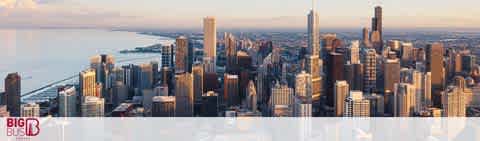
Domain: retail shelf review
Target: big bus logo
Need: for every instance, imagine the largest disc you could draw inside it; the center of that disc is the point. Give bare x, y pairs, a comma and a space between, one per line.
23, 127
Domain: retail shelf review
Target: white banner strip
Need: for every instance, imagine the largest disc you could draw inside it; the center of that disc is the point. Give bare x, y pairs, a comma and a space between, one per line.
241, 129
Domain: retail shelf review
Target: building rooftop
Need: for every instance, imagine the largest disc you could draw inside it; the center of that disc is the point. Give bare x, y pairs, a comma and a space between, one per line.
163, 99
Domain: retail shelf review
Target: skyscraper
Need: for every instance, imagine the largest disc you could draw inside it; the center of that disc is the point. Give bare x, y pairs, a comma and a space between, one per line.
281, 95
182, 54
377, 29
12, 92
184, 95
103, 65
145, 79
92, 107
391, 74
404, 100
210, 38
231, 90
341, 92
365, 38
356, 105
370, 70
87, 83
251, 100
313, 33
427, 89
210, 104
354, 76
435, 65
230, 52
163, 106
198, 82
354, 52
453, 102
67, 102
407, 53
313, 68
167, 56
303, 85
302, 107
30, 110
335, 72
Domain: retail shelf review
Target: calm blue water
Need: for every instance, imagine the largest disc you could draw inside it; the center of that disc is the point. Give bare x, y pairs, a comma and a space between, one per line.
42, 56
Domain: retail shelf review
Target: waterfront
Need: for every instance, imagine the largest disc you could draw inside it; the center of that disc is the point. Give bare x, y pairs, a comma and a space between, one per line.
43, 56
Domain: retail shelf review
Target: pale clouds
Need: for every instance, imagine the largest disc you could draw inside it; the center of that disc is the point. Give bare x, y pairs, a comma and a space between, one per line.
17, 4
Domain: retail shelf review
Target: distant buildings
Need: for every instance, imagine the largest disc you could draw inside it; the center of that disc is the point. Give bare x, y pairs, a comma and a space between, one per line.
12, 93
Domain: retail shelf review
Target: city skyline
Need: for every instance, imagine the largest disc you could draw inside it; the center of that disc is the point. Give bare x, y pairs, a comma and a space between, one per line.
294, 75
266, 14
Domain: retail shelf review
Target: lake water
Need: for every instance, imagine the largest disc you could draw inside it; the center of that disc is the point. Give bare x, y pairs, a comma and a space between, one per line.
43, 56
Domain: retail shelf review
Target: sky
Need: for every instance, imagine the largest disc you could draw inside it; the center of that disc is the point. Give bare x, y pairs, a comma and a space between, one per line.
231, 14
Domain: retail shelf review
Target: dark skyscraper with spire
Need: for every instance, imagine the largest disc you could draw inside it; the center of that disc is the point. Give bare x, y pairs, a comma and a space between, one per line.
377, 33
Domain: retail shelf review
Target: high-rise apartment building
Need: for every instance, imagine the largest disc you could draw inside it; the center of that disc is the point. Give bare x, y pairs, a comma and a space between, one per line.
12, 93
30, 110
303, 85
356, 105
404, 100
67, 102
167, 56
88, 83
341, 91
453, 102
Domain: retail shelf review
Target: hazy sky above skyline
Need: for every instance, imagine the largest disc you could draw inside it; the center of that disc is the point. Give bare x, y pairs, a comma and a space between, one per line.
188, 14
